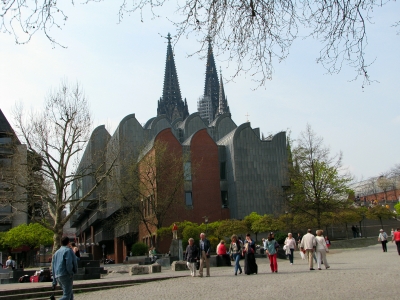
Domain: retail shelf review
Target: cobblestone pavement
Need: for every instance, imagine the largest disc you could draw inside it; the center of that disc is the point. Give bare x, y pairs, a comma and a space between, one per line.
365, 273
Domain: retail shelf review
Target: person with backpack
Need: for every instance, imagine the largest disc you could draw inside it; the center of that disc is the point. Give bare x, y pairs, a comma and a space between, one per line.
235, 253
10, 263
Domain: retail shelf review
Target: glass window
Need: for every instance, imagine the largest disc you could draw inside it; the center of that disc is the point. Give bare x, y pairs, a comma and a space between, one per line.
224, 199
188, 199
188, 170
222, 170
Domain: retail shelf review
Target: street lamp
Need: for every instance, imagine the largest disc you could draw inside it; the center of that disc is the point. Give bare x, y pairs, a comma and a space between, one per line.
104, 247
286, 214
206, 221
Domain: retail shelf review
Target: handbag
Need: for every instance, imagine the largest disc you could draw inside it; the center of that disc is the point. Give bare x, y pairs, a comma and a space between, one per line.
284, 247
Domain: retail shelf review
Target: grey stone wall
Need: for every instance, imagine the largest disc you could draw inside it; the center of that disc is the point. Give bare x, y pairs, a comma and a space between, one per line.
256, 171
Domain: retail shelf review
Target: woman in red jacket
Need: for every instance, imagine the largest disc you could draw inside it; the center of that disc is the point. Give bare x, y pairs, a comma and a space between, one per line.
396, 238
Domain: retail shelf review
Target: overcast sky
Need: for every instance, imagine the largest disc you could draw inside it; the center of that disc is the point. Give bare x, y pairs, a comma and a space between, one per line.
121, 69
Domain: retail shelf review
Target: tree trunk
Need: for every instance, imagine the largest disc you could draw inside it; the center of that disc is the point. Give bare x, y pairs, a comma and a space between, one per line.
57, 240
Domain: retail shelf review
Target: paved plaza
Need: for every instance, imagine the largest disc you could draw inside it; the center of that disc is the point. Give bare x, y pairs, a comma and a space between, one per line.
364, 273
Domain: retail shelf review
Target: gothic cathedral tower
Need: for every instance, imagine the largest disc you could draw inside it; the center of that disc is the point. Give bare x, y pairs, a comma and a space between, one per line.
171, 103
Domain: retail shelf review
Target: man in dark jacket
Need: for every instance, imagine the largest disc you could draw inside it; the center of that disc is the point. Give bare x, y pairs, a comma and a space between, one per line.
204, 255
191, 255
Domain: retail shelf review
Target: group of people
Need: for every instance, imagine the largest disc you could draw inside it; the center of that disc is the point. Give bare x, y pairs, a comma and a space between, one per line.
237, 249
383, 238
309, 244
201, 254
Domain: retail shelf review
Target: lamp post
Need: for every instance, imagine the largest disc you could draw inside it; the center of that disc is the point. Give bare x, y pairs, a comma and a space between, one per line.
104, 247
287, 221
206, 221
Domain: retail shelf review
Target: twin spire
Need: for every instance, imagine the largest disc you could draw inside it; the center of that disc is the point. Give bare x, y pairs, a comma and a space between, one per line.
212, 104
171, 103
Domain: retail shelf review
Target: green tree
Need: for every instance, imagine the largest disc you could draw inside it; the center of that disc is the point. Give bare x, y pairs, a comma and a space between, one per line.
346, 217
319, 183
397, 208
267, 223
229, 227
380, 213
250, 220
32, 235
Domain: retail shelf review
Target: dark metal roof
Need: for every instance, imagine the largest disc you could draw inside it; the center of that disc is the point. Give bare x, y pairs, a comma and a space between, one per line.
6, 129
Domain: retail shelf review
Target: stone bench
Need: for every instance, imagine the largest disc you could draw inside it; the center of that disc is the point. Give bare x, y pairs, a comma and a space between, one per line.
179, 265
144, 269
141, 260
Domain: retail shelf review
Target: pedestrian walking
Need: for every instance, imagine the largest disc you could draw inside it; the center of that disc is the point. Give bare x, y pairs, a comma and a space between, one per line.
272, 252
64, 266
396, 238
308, 244
250, 266
382, 237
290, 246
204, 254
321, 250
235, 249
191, 254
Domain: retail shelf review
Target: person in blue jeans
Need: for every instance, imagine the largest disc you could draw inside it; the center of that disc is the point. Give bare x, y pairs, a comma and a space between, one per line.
235, 252
64, 266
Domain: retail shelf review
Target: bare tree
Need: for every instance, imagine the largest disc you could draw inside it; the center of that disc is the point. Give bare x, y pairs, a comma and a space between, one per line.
56, 138
395, 180
254, 34
372, 187
384, 184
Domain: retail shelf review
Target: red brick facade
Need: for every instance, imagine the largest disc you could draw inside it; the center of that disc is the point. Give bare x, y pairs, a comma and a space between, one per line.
206, 194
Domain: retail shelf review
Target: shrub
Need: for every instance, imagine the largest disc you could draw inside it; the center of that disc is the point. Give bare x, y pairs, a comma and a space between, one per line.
190, 232
139, 249
280, 237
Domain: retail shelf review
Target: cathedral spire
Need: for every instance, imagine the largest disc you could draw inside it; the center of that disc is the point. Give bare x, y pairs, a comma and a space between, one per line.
222, 102
211, 86
171, 103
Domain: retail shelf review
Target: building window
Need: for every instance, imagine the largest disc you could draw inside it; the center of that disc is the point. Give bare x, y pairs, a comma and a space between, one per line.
222, 170
188, 170
188, 199
224, 199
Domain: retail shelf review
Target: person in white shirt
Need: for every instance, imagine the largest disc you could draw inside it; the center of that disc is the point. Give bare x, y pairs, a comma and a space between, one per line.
322, 249
308, 244
290, 244
383, 239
